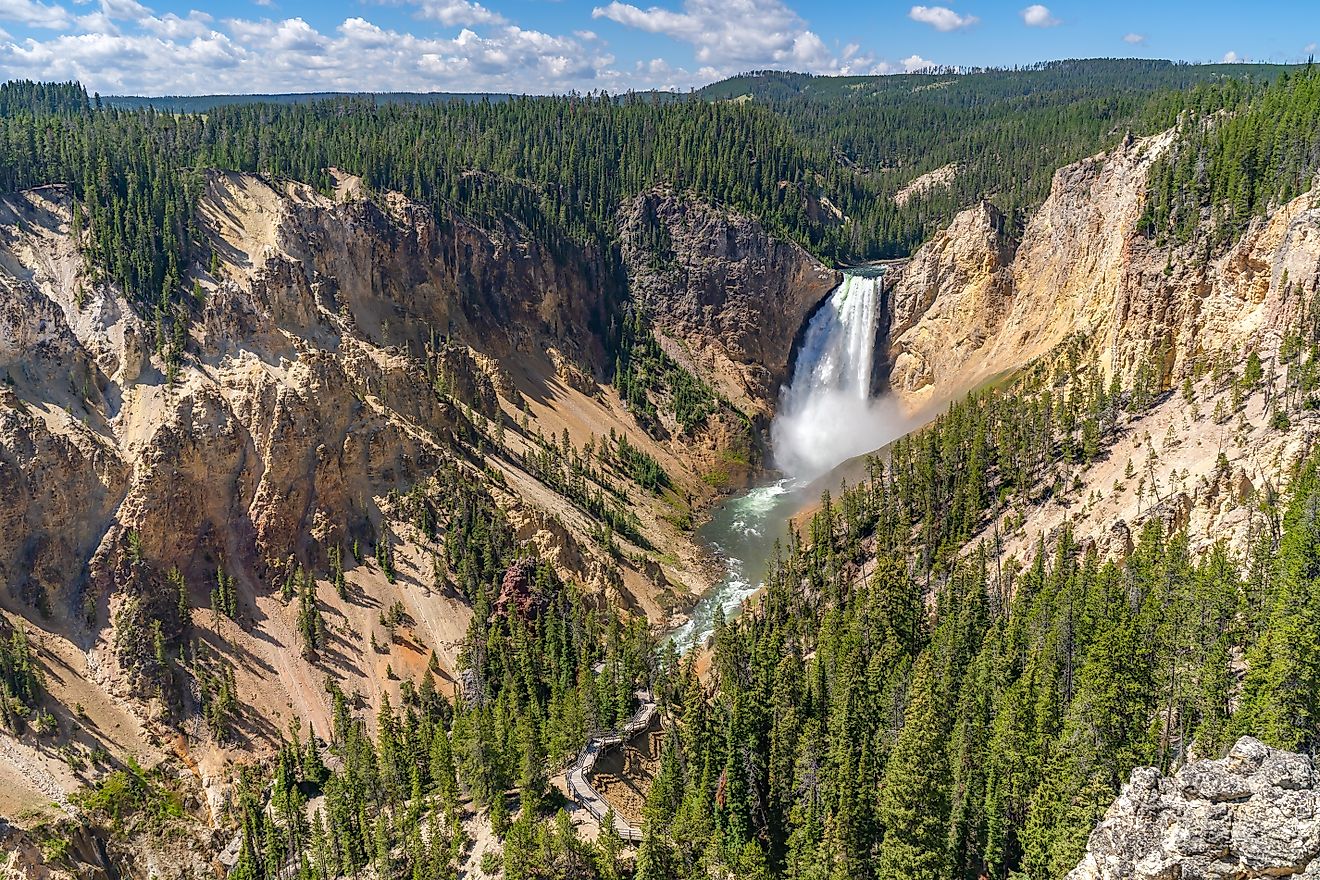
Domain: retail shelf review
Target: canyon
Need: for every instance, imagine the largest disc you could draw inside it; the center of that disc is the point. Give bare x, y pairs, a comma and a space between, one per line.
356, 356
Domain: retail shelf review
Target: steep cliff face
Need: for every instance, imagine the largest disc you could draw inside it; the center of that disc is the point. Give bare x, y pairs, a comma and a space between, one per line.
386, 271
948, 303
724, 296
966, 309
1086, 289
1070, 273
1255, 813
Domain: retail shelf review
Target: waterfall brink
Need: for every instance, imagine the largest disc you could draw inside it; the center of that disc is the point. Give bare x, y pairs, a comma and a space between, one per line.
826, 413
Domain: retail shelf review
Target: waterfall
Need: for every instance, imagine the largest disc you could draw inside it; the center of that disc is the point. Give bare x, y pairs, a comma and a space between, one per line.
827, 413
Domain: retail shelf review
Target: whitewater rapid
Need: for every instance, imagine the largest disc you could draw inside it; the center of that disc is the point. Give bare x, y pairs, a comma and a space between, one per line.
827, 414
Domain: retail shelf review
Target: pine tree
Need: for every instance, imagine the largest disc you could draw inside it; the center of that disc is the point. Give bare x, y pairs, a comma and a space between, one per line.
311, 625
913, 808
184, 606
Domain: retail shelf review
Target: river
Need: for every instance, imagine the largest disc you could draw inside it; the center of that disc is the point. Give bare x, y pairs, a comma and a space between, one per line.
742, 532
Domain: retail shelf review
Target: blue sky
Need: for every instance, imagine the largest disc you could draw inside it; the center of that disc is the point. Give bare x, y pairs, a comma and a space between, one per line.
541, 46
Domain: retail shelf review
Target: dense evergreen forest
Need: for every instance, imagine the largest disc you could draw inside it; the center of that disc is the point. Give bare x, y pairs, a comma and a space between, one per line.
902, 704
1003, 131
1226, 171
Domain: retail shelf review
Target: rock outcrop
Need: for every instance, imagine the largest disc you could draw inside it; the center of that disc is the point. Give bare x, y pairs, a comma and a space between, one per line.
725, 296
1252, 814
949, 302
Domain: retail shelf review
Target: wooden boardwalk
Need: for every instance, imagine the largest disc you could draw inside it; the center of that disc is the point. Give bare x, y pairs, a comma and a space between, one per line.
581, 790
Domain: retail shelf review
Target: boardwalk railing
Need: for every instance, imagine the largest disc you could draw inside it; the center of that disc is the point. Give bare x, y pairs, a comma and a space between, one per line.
581, 790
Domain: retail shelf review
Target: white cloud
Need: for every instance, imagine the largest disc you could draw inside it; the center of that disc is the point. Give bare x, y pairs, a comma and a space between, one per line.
1310, 47
452, 13
941, 18
292, 36
171, 26
1231, 57
94, 23
124, 10
1134, 39
910, 64
34, 14
171, 54
1039, 16
737, 35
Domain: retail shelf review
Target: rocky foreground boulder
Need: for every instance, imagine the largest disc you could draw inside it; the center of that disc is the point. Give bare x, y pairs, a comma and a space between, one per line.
1254, 813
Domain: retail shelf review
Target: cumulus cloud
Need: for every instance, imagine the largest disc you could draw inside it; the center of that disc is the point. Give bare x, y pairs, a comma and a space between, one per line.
193, 54
1039, 16
942, 18
1135, 39
452, 13
124, 10
34, 14
292, 36
910, 64
174, 27
737, 35
94, 23
1231, 57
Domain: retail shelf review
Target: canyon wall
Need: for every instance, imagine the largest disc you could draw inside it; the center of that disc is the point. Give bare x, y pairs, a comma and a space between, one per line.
350, 355
726, 297
970, 306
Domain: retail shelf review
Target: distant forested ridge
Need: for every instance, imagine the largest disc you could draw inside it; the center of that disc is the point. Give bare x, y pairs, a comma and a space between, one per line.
815, 159
1004, 131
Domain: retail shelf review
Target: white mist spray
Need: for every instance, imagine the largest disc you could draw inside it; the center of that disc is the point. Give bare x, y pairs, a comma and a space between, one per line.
826, 413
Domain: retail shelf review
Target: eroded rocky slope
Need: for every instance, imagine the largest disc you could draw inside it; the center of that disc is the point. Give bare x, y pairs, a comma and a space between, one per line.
1085, 291
728, 299
352, 362
970, 306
